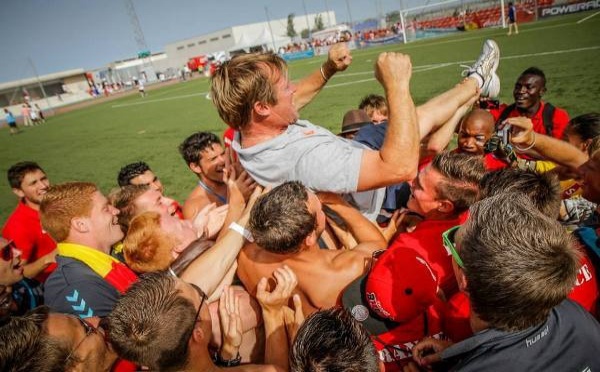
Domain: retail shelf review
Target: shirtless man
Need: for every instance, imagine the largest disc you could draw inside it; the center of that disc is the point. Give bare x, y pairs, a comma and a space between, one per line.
204, 155
286, 224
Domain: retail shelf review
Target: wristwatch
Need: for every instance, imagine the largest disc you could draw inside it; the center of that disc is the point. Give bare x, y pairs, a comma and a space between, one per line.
229, 362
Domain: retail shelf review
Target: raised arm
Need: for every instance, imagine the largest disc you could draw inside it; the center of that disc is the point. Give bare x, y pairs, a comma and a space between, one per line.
338, 59
561, 152
397, 160
208, 270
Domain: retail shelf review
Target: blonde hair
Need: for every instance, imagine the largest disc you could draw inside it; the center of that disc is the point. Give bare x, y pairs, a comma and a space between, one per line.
241, 82
62, 203
147, 248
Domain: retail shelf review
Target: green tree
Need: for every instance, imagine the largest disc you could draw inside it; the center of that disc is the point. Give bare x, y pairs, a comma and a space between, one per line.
392, 17
319, 23
291, 31
304, 33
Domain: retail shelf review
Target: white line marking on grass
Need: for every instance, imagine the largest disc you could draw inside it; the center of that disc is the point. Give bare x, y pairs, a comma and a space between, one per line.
433, 67
159, 100
588, 17
421, 68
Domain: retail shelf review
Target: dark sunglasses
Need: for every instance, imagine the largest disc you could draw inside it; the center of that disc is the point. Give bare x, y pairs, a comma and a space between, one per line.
7, 252
448, 237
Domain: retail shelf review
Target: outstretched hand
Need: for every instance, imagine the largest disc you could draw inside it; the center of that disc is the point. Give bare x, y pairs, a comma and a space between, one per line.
231, 322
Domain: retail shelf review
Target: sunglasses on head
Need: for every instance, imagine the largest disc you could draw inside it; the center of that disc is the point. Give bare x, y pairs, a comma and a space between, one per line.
7, 252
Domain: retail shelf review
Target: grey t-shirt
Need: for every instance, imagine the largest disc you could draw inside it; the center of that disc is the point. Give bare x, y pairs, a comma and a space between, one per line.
314, 156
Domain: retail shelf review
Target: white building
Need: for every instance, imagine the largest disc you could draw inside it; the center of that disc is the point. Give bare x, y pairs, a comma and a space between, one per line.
268, 35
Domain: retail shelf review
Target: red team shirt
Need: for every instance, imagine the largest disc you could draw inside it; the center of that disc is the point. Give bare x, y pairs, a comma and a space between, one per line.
560, 119
23, 227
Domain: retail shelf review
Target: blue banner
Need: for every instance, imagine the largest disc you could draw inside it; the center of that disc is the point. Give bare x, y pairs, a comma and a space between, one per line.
298, 55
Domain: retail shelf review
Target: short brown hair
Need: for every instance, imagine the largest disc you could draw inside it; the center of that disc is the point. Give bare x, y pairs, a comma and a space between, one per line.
62, 203
542, 189
243, 81
519, 263
122, 199
373, 102
26, 346
461, 173
151, 324
147, 247
280, 219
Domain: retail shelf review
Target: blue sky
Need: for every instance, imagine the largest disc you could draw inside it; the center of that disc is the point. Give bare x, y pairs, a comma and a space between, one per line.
60, 35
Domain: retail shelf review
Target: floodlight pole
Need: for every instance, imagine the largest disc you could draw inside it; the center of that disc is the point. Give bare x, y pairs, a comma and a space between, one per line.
306, 15
270, 30
37, 77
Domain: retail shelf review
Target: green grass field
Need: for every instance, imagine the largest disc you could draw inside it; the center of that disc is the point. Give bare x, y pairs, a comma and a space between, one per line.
91, 144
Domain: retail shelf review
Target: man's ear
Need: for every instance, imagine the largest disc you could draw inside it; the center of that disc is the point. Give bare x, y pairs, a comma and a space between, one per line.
311, 239
80, 224
195, 168
542, 91
261, 108
18, 192
446, 206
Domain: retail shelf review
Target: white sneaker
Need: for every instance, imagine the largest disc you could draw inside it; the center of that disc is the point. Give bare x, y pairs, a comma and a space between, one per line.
484, 69
491, 87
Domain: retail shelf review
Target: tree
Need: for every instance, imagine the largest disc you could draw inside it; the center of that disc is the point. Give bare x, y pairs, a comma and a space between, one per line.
392, 17
304, 33
291, 31
319, 23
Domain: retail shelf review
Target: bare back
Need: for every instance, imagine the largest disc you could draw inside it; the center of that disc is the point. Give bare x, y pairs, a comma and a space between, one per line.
322, 274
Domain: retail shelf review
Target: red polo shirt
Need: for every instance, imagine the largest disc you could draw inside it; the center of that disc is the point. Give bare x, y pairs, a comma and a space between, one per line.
560, 119
426, 239
23, 227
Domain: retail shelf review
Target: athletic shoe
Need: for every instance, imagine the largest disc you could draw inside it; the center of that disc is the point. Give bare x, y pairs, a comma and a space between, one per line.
484, 69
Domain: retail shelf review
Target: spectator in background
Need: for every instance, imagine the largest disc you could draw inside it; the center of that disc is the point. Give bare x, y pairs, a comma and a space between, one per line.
512, 18
26, 114
11, 122
30, 183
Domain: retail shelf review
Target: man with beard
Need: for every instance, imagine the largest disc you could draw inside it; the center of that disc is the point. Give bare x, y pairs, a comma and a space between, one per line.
204, 155
528, 92
29, 182
88, 281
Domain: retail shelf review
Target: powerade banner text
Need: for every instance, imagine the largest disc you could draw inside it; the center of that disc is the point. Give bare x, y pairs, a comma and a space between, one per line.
556, 10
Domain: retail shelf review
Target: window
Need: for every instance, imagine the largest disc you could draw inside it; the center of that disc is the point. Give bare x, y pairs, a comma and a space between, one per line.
180, 47
202, 42
214, 39
226, 36
191, 45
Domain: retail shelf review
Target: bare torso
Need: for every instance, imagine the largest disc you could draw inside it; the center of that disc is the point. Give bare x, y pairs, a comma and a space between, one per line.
322, 274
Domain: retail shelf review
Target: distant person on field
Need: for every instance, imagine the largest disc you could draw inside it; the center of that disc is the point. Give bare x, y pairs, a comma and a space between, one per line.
512, 19
26, 113
40, 113
30, 184
11, 121
527, 93
141, 88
